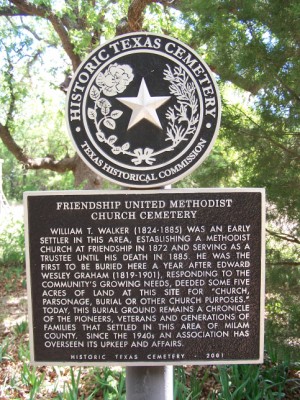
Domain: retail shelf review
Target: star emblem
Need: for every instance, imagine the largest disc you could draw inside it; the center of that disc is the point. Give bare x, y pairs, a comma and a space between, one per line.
144, 106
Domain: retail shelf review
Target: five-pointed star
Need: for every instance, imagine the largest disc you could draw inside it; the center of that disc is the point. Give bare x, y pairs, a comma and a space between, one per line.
144, 106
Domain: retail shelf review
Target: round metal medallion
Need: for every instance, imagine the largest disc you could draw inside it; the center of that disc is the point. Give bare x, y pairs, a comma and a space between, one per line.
143, 110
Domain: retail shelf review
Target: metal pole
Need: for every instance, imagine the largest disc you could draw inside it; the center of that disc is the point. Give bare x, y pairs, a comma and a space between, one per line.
149, 383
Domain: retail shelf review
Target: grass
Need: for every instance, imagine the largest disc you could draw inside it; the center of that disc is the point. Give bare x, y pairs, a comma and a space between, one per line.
189, 383
111, 382
4, 350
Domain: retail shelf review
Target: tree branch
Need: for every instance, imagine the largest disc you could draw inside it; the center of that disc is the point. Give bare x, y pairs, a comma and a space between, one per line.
135, 16
11, 12
284, 236
264, 135
65, 164
291, 91
49, 162
285, 263
28, 8
11, 145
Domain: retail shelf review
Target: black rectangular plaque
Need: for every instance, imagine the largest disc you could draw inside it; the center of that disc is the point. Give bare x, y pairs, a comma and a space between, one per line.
146, 277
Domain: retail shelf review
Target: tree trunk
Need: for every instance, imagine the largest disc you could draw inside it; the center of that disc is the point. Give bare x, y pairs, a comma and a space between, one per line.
85, 178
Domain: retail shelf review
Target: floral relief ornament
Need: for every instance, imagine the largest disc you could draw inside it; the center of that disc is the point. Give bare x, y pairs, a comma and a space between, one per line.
182, 118
115, 79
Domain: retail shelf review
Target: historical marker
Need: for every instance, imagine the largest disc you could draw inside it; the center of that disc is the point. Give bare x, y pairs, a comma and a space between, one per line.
143, 110
137, 278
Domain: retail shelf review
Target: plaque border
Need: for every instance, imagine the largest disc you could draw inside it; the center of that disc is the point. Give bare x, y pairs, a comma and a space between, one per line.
161, 192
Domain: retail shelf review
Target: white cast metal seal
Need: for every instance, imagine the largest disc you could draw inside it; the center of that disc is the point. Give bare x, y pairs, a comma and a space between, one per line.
143, 110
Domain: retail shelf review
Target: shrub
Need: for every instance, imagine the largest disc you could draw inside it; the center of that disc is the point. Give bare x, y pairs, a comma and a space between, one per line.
12, 242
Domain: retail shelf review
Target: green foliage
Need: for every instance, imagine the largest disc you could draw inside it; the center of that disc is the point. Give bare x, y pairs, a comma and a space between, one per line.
250, 382
253, 46
12, 243
17, 180
283, 312
188, 385
91, 22
32, 105
21, 328
24, 352
111, 383
71, 390
4, 350
32, 379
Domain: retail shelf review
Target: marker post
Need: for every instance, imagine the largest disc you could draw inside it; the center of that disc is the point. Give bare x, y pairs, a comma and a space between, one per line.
149, 383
